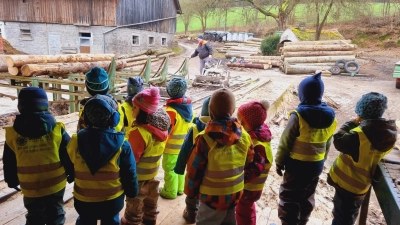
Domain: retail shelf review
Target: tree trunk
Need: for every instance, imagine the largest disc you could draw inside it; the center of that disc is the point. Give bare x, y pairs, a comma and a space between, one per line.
141, 62
166, 54
254, 66
20, 60
125, 56
66, 68
330, 42
14, 70
319, 59
3, 65
139, 58
317, 53
302, 69
302, 48
263, 57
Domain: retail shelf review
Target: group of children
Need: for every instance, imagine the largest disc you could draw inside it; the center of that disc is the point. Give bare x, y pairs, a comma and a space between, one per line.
118, 149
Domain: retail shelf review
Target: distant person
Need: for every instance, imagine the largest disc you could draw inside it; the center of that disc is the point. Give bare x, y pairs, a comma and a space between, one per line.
198, 125
302, 151
96, 81
204, 50
104, 165
147, 137
134, 86
35, 157
363, 142
215, 170
252, 116
179, 109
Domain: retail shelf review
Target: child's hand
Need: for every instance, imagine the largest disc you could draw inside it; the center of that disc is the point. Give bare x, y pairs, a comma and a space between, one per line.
279, 169
357, 120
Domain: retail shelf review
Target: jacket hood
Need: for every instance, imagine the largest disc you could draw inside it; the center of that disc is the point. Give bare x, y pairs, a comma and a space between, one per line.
381, 133
225, 132
317, 116
201, 122
35, 124
98, 146
159, 135
261, 133
183, 106
311, 90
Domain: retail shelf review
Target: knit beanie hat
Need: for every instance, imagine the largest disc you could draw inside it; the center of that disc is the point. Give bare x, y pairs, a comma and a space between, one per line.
176, 87
204, 108
371, 106
100, 111
222, 104
311, 89
97, 81
135, 85
32, 99
147, 100
254, 113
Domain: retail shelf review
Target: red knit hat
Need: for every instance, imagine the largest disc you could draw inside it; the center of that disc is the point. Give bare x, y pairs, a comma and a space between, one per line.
147, 100
254, 113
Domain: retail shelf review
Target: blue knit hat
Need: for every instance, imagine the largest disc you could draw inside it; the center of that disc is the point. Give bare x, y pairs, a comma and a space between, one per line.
200, 36
176, 87
371, 106
311, 90
100, 111
32, 99
97, 81
204, 108
135, 85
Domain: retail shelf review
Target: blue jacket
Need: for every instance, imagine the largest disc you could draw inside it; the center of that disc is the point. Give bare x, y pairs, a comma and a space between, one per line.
34, 125
187, 147
98, 146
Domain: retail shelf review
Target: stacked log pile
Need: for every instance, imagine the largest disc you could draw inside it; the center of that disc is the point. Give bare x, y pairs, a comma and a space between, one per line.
30, 65
140, 58
258, 62
235, 49
306, 57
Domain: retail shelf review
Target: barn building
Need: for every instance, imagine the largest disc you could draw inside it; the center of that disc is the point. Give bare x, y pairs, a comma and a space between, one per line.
88, 26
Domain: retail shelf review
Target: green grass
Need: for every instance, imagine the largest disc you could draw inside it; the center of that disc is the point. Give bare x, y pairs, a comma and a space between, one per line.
235, 17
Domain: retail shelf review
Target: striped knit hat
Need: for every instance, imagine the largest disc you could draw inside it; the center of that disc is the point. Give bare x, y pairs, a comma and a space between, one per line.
32, 99
147, 100
97, 81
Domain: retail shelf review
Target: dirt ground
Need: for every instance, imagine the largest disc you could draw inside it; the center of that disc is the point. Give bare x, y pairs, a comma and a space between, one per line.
344, 91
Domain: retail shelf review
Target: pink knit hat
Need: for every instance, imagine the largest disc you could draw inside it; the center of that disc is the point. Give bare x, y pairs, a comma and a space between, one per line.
254, 113
147, 100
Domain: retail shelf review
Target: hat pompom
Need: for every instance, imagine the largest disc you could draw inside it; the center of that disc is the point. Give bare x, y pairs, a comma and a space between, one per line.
265, 104
154, 92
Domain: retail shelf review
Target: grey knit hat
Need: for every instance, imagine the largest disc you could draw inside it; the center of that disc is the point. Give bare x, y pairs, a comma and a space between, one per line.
371, 106
176, 87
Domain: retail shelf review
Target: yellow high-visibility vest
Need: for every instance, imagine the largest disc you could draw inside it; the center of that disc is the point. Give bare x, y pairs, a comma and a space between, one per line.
127, 111
310, 145
356, 177
104, 185
258, 183
147, 167
120, 124
177, 136
39, 169
224, 174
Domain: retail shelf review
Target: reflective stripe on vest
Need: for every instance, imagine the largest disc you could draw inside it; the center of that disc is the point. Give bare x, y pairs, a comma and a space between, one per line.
356, 177
104, 185
147, 167
258, 183
39, 169
177, 136
225, 168
310, 145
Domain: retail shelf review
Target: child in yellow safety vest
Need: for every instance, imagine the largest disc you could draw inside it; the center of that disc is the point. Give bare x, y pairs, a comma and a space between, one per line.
35, 157
215, 170
147, 137
363, 142
179, 109
199, 123
302, 150
134, 86
104, 165
252, 116
96, 81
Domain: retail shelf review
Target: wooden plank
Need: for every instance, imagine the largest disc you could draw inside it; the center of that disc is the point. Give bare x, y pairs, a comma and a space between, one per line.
52, 90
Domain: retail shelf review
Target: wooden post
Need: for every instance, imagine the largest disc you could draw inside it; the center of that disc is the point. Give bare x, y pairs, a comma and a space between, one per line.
362, 217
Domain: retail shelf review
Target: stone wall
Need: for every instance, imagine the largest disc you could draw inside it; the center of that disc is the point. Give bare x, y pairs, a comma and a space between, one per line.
41, 38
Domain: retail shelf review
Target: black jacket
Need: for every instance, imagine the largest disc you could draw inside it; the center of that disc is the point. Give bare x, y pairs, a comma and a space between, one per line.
203, 50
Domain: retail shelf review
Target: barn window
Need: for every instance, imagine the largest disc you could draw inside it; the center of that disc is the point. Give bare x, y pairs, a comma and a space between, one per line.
26, 34
135, 40
151, 40
163, 41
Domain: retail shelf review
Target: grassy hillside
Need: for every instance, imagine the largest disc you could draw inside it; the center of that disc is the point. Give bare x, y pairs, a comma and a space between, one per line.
236, 18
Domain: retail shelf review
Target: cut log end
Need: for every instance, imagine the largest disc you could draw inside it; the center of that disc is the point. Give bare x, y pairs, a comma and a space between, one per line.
13, 70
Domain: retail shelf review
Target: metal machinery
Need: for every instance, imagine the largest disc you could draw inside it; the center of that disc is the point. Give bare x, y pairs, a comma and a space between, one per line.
213, 75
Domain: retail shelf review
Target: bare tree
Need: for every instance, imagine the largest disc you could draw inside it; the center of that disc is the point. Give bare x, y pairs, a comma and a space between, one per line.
203, 10
284, 7
187, 15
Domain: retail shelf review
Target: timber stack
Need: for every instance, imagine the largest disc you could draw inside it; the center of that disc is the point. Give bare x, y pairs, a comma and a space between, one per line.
235, 49
305, 57
258, 62
35, 65
140, 58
